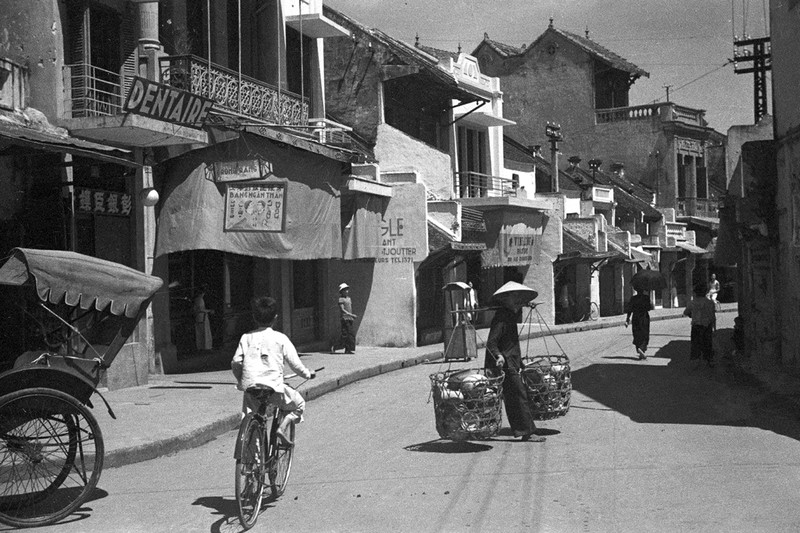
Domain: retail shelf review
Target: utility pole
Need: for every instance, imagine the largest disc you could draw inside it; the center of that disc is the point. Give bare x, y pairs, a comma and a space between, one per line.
553, 133
756, 54
667, 87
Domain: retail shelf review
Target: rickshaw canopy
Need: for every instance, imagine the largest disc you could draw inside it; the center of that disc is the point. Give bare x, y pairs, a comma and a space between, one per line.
80, 280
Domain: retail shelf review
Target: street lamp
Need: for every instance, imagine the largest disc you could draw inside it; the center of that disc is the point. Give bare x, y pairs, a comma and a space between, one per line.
595, 164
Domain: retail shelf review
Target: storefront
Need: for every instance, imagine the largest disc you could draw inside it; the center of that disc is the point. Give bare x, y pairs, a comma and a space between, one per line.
247, 217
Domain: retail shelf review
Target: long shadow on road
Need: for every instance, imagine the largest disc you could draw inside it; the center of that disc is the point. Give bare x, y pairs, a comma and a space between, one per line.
684, 391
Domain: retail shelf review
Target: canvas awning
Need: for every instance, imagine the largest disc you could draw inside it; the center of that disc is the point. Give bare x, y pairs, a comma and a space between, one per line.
80, 280
691, 248
291, 211
513, 238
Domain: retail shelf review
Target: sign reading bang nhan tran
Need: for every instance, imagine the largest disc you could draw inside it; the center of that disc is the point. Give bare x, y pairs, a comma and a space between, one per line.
166, 103
260, 207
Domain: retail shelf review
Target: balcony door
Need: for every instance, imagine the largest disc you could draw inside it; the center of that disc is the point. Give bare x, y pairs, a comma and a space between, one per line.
473, 161
101, 48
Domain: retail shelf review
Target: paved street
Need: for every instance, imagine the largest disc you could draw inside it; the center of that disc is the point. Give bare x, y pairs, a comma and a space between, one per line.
659, 445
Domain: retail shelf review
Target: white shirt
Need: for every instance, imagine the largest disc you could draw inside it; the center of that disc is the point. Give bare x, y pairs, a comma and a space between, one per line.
263, 353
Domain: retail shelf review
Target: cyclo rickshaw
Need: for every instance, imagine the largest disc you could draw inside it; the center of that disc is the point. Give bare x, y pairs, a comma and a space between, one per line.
51, 447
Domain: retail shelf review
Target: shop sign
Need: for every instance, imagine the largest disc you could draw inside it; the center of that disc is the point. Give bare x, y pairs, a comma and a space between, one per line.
97, 202
247, 169
518, 247
162, 102
255, 207
404, 226
518, 241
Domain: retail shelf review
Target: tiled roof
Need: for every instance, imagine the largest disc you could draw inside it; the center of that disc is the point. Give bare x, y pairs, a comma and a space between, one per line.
592, 48
505, 50
600, 52
440, 54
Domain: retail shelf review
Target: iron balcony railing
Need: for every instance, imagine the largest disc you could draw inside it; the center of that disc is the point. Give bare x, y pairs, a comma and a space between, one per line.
697, 207
477, 185
234, 92
91, 91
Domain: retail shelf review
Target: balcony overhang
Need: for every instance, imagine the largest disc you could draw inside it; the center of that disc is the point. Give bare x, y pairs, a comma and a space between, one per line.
316, 26
505, 202
486, 120
356, 184
133, 130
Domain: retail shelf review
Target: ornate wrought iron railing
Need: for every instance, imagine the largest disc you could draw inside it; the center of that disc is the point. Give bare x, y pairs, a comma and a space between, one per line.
477, 185
234, 92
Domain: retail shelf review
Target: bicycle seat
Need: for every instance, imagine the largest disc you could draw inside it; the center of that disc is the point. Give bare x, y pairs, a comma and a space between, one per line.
262, 393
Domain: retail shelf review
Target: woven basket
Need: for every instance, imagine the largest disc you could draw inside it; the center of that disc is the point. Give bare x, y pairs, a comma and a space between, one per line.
549, 384
467, 403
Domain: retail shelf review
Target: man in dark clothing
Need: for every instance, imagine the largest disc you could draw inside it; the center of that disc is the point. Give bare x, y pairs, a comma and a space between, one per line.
503, 353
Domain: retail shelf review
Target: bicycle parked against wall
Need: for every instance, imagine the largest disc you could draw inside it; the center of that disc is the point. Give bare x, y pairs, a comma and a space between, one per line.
592, 312
261, 457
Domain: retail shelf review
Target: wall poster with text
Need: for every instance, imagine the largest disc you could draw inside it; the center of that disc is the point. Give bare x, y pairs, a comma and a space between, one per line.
255, 207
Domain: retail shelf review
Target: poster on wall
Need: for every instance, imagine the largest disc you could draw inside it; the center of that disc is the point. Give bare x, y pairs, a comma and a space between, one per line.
255, 207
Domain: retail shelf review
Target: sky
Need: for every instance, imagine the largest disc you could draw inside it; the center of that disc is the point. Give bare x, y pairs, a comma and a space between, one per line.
685, 44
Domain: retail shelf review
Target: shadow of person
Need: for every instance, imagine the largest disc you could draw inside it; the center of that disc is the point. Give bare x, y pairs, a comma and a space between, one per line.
684, 391
448, 446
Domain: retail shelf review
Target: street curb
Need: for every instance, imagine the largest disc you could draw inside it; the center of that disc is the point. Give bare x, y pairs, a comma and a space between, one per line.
209, 432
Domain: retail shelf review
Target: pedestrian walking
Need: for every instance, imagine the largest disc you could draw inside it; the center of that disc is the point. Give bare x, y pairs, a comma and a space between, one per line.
638, 316
346, 321
713, 288
503, 353
704, 322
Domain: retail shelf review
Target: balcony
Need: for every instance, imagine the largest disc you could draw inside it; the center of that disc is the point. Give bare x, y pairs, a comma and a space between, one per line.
93, 109
667, 112
234, 92
91, 91
306, 17
696, 207
477, 185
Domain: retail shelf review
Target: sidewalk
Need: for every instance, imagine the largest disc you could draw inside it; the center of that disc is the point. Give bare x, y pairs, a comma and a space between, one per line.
181, 411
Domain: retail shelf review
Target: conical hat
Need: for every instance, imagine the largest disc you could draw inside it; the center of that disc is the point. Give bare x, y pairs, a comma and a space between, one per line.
518, 291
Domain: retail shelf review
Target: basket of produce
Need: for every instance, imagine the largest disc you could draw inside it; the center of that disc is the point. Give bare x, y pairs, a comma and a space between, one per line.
467, 403
549, 384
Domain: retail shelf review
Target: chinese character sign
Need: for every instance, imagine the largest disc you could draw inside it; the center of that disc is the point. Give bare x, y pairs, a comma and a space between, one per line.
255, 207
92, 201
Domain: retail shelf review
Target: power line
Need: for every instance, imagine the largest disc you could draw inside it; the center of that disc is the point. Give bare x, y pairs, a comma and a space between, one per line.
728, 62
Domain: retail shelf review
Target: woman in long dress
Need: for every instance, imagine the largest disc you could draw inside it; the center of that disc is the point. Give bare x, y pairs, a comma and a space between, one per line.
638, 315
202, 325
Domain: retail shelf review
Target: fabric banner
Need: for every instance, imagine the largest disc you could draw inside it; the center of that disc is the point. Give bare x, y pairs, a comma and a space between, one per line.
192, 215
390, 230
514, 238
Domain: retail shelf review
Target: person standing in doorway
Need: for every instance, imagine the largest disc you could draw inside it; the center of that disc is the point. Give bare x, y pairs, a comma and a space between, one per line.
202, 324
346, 320
704, 321
638, 315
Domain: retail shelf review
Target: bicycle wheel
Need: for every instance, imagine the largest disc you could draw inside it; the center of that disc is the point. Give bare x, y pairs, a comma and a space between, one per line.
249, 470
594, 311
51, 456
280, 459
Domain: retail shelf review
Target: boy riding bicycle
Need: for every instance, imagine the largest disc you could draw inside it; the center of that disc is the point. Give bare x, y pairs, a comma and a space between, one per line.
259, 361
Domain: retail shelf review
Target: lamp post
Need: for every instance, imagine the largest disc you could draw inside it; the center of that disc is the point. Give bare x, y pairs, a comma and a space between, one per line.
594, 164
553, 133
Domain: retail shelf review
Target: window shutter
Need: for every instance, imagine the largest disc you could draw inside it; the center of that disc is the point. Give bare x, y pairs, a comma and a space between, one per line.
79, 52
130, 50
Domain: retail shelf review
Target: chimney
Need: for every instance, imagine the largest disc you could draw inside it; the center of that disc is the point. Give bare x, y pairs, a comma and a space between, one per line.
574, 162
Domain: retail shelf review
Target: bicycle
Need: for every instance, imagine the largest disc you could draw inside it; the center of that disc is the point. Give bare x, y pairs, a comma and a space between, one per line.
260, 455
593, 313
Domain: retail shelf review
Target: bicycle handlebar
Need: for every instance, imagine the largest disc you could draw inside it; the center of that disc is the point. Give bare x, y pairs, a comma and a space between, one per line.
287, 376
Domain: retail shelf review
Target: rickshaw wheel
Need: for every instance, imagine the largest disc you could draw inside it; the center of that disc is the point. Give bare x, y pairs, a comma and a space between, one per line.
51, 456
